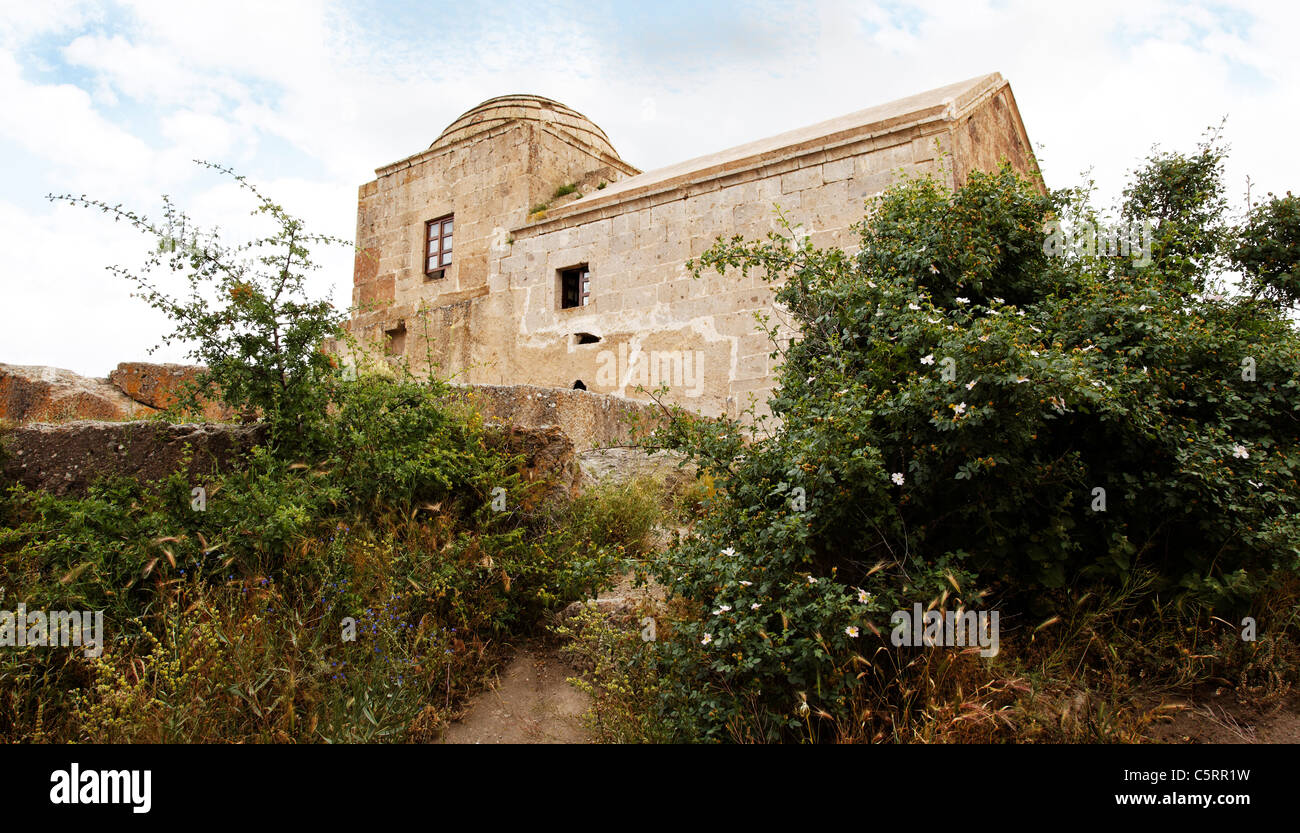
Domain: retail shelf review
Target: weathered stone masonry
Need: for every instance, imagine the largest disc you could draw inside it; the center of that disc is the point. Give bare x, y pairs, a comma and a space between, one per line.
497, 315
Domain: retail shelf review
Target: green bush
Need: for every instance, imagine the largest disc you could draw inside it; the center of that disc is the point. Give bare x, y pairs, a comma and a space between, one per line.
1268, 250
955, 400
232, 615
246, 316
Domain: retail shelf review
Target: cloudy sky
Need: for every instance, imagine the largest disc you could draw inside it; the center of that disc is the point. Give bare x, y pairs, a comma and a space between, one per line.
308, 97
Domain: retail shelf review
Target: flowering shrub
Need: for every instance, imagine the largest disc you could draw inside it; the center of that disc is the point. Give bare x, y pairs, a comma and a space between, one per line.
965, 414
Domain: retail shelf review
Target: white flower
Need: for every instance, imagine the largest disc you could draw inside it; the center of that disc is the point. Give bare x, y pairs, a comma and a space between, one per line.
971, 384
812, 580
809, 380
721, 610
852, 631
708, 637
963, 300
1240, 451
1020, 379
1033, 352
755, 606
934, 270
998, 301
984, 338
960, 409
1035, 329
1143, 308
728, 552
864, 597
928, 359
913, 306
897, 477
745, 583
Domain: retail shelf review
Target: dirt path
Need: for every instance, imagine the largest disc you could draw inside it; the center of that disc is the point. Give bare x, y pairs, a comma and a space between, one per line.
530, 702
1217, 718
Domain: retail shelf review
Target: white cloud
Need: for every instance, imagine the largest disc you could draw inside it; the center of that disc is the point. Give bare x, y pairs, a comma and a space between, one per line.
309, 96
59, 123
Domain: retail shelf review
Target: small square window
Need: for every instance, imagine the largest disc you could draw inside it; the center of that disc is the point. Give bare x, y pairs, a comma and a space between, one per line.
437, 247
395, 340
575, 287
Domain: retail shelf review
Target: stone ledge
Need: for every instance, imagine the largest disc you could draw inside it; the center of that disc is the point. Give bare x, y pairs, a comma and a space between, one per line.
65, 459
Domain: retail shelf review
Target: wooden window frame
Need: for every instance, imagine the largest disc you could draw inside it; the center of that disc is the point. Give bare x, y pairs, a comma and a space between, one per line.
439, 271
584, 285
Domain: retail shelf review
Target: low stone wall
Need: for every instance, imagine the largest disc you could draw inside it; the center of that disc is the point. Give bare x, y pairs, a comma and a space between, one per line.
139, 389
97, 429
591, 420
65, 459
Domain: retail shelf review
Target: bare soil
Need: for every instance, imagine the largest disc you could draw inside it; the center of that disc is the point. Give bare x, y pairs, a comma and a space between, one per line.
1218, 717
530, 701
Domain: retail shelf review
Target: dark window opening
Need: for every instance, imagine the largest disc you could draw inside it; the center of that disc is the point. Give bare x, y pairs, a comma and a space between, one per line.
575, 287
437, 247
578, 385
395, 340
587, 338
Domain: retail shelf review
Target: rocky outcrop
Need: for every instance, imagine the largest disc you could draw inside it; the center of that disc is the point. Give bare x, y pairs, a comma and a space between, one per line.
132, 391
65, 459
599, 464
547, 455
160, 385
49, 394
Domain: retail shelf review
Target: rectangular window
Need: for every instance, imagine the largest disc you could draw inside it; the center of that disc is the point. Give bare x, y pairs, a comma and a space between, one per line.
437, 247
395, 339
575, 287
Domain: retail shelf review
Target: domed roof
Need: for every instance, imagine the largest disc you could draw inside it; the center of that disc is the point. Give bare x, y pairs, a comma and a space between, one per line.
502, 109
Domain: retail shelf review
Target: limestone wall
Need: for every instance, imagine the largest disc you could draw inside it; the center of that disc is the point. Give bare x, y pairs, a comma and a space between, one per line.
657, 324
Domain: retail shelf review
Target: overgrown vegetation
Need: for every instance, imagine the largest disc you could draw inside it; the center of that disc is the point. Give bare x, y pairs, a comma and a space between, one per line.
1103, 449
246, 315
351, 581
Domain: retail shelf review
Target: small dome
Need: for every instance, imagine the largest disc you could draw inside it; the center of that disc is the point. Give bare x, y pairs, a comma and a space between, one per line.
502, 109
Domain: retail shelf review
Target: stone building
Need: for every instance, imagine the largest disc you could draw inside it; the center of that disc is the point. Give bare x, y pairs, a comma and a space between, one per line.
520, 249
